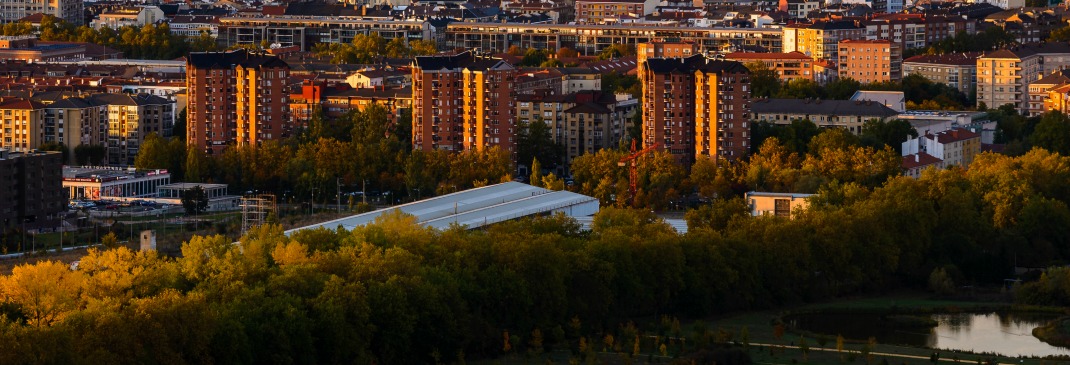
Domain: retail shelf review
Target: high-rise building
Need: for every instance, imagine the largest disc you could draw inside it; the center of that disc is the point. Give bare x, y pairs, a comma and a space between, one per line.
67, 10
235, 98
821, 39
31, 189
22, 124
463, 102
130, 119
869, 61
696, 106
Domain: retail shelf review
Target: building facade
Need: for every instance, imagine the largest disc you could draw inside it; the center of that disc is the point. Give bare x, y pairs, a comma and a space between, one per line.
235, 98
31, 190
788, 66
846, 114
23, 124
821, 39
68, 10
869, 61
130, 119
463, 102
696, 107
958, 70
611, 11
582, 122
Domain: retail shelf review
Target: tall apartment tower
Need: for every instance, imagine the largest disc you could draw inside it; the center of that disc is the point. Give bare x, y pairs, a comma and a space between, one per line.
235, 98
696, 106
463, 102
68, 10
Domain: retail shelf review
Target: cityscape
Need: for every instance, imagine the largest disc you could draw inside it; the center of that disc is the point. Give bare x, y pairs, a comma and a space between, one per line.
727, 182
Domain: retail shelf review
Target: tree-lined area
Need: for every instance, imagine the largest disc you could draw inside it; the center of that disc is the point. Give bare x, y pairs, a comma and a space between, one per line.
396, 292
153, 41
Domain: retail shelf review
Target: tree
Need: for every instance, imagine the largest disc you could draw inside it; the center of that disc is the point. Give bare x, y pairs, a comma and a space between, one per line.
421, 47
110, 240
57, 147
877, 133
196, 167
46, 291
842, 89
565, 53
1060, 34
764, 82
616, 51
940, 283
178, 131
534, 57
195, 201
85, 154
1053, 133
535, 142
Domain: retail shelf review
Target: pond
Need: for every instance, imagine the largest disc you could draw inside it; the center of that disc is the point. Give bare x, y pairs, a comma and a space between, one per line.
1008, 334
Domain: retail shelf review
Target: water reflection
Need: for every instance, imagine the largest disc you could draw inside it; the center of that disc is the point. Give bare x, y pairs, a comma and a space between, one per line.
1002, 333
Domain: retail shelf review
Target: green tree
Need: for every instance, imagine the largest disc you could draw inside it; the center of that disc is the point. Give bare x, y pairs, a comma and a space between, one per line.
85, 154
764, 82
195, 201
878, 133
535, 141
1053, 133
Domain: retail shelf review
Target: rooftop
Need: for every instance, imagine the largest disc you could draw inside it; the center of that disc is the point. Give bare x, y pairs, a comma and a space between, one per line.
831, 107
919, 159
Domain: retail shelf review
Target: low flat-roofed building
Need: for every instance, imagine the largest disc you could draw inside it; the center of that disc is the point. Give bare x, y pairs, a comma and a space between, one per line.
27, 48
847, 114
776, 204
98, 182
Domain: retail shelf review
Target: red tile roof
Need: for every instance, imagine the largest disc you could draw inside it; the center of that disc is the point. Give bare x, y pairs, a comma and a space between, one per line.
955, 135
919, 160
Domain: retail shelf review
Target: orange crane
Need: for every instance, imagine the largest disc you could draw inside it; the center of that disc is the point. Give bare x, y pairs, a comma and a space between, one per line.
633, 171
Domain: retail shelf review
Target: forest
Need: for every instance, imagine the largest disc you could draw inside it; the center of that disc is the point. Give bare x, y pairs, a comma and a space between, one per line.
396, 292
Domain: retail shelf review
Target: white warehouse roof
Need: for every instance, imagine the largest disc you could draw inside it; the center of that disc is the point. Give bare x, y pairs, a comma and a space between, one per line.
478, 207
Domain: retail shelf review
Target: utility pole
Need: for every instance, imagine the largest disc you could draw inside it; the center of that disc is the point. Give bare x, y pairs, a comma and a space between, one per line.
363, 190
312, 206
338, 197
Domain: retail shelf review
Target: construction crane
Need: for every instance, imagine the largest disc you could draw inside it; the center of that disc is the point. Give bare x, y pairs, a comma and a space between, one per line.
633, 171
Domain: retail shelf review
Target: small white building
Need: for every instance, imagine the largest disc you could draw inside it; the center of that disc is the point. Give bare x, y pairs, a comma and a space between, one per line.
776, 204
951, 147
130, 16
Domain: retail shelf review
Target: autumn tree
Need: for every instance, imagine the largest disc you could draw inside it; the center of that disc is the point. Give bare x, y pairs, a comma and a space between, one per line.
46, 292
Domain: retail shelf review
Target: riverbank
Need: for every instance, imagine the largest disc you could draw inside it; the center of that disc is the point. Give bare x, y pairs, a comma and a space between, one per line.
1055, 333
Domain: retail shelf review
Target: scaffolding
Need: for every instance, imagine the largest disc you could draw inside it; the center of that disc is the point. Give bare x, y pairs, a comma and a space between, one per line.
255, 210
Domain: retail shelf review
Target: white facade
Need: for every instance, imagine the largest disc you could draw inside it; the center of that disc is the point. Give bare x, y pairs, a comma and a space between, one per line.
68, 10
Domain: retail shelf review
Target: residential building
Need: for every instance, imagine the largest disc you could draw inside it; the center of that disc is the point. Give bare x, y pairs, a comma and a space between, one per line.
798, 9
847, 114
130, 119
23, 124
1005, 4
1058, 99
582, 122
611, 11
660, 49
194, 25
914, 164
696, 107
306, 31
788, 66
337, 100
916, 30
27, 48
68, 10
590, 39
1003, 76
776, 204
821, 39
869, 61
235, 98
31, 190
76, 121
463, 102
1038, 90
133, 16
958, 70
895, 100
955, 147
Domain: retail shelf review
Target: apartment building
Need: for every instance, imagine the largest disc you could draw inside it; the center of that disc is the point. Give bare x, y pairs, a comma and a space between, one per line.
23, 124
846, 114
660, 49
463, 102
1058, 99
306, 31
68, 10
1003, 76
31, 190
76, 121
871, 61
958, 70
590, 39
582, 122
695, 107
612, 11
337, 100
133, 16
235, 98
130, 119
788, 66
916, 30
821, 39
1038, 90
956, 147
